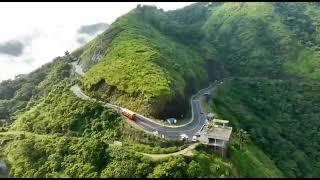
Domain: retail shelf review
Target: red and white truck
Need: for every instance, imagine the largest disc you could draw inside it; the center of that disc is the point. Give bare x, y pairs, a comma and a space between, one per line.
129, 114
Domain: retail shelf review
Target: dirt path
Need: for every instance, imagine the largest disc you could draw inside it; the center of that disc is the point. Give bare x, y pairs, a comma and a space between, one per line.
186, 152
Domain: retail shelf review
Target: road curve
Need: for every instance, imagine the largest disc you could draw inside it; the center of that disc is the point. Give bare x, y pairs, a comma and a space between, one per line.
197, 121
191, 128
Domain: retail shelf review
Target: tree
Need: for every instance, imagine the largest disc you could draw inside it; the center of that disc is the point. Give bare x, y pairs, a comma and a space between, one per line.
242, 137
175, 168
193, 169
68, 56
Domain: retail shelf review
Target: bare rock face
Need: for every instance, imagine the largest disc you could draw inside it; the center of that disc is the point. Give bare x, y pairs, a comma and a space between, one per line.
92, 56
94, 59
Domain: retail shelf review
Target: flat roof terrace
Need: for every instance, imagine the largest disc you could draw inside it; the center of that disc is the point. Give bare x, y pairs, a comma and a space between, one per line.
218, 132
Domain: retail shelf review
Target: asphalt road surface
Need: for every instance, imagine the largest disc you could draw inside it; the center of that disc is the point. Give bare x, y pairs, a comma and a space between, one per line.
191, 128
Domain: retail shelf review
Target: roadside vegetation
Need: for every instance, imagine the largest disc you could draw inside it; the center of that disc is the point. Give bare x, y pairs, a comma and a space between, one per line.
152, 61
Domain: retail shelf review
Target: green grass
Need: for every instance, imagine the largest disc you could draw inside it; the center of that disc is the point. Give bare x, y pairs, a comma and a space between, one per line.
154, 150
148, 68
252, 162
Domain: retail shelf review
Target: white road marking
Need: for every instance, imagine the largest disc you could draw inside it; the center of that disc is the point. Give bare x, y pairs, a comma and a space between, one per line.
77, 90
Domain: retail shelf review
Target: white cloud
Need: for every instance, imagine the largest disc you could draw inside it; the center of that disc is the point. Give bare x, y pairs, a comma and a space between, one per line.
48, 29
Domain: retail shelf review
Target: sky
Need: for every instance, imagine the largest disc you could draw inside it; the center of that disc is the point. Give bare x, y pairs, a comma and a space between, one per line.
33, 33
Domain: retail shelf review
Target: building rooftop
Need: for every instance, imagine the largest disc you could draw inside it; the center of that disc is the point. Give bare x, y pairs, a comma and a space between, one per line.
218, 132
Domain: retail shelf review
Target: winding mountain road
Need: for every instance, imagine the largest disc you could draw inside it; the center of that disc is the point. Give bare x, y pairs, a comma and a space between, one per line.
197, 121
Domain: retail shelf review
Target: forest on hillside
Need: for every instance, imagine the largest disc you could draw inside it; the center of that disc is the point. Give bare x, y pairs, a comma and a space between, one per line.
152, 61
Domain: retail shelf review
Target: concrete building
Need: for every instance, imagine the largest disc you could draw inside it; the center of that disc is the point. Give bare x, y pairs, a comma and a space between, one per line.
215, 134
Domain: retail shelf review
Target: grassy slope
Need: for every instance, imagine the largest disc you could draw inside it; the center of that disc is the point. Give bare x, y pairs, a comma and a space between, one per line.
148, 68
253, 162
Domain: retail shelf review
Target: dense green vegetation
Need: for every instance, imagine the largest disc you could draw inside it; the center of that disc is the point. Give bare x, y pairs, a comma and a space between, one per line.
252, 40
62, 112
34, 155
249, 160
23, 92
64, 136
146, 66
148, 55
54, 156
151, 61
279, 43
281, 116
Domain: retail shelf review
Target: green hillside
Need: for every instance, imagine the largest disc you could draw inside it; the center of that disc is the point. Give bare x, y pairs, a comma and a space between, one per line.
148, 55
152, 61
255, 39
146, 70
281, 116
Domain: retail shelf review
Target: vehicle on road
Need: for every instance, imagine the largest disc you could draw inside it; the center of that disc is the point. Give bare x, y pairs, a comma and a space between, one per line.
197, 134
129, 114
149, 125
183, 137
194, 139
171, 120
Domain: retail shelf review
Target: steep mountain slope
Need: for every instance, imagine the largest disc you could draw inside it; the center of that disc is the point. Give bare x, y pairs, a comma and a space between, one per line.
281, 116
146, 70
274, 41
148, 55
151, 61
23, 92
253, 39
